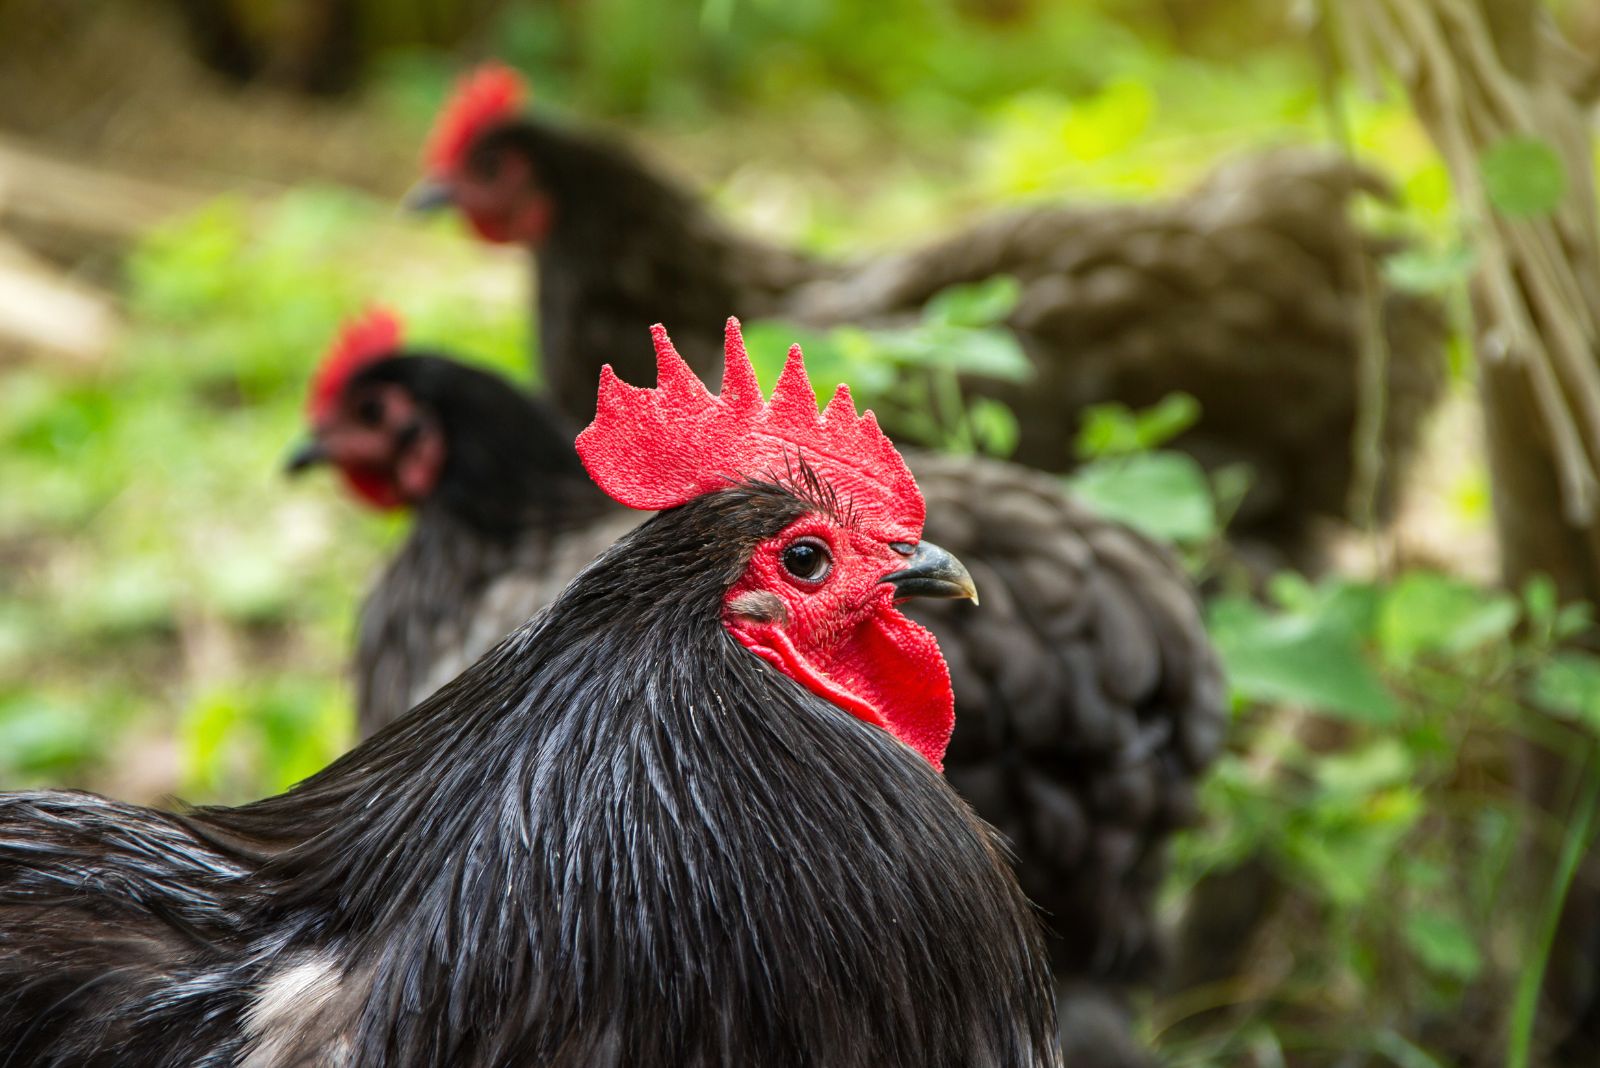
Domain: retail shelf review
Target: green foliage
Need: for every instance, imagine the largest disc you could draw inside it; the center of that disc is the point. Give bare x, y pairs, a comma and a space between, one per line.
261, 737
1114, 430
1569, 683
1444, 945
1523, 176
1126, 477
1425, 269
1164, 494
912, 375
155, 537
48, 737
976, 305
1427, 613
935, 61
1310, 656
1366, 712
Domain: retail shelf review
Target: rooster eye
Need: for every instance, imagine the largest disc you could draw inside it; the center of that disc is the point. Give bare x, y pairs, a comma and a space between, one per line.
369, 410
808, 560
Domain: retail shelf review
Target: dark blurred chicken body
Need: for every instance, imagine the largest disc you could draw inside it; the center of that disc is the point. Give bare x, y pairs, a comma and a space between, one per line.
1247, 293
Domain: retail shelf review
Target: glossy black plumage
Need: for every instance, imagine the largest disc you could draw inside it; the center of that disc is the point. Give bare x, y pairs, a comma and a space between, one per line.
1246, 293
1088, 699
618, 839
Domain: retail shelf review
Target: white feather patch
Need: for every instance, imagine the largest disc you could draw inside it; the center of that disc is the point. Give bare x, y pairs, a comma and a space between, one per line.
291, 1015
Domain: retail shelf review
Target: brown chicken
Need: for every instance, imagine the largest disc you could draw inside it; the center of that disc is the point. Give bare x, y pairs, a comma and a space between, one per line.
1246, 293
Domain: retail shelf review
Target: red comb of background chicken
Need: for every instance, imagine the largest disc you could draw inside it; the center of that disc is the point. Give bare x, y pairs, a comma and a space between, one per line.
489, 95
658, 448
368, 337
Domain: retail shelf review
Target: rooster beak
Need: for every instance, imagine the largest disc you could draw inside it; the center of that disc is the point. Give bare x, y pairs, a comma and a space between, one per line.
430, 194
932, 572
307, 454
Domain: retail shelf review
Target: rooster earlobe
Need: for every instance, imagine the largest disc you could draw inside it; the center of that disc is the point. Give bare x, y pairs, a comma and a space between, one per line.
740, 390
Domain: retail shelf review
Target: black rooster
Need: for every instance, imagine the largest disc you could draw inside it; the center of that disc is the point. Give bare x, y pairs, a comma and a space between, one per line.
1088, 696
1246, 294
505, 514
690, 814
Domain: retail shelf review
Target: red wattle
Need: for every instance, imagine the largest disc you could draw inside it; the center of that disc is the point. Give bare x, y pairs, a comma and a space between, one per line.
775, 648
376, 489
889, 673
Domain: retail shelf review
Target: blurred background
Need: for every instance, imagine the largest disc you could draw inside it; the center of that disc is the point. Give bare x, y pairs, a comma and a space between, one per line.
193, 194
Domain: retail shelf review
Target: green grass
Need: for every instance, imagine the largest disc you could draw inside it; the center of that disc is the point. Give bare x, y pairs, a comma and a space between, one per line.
165, 579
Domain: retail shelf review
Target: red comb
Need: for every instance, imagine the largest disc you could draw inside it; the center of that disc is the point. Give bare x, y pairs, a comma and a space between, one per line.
658, 448
489, 95
363, 340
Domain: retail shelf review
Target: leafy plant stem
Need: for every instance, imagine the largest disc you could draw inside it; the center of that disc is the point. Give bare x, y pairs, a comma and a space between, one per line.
952, 412
1578, 838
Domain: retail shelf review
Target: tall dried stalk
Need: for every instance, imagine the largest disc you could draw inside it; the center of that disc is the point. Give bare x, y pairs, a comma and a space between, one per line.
1538, 279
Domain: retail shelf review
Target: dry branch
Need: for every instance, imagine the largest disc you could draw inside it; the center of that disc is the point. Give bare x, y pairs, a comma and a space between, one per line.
1538, 275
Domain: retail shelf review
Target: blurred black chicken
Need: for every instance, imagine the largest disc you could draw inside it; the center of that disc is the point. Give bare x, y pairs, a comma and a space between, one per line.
1247, 294
1088, 696
690, 814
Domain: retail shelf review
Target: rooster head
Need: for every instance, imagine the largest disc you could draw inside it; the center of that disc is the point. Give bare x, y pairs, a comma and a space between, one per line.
386, 444
818, 600
471, 165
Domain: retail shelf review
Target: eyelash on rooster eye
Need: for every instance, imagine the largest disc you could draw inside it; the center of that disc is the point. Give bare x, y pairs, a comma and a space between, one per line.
808, 560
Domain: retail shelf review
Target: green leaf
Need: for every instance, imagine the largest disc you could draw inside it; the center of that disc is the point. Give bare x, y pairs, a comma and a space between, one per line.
973, 305
1162, 422
1539, 599
1431, 270
1443, 945
1107, 430
1107, 123
1115, 429
282, 729
1426, 612
206, 728
1572, 620
1346, 844
42, 736
994, 426
1523, 177
1312, 659
1384, 763
986, 352
848, 354
1163, 494
1569, 683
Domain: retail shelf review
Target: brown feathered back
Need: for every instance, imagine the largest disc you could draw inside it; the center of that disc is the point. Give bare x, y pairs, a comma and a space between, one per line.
1248, 293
